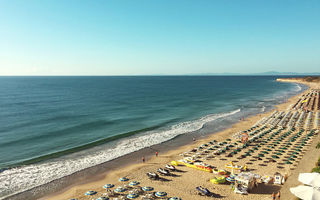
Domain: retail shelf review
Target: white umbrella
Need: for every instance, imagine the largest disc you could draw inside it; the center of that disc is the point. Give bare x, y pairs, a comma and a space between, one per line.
312, 179
306, 192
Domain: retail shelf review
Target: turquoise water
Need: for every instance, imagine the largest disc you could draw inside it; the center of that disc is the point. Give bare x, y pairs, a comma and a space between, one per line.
42, 118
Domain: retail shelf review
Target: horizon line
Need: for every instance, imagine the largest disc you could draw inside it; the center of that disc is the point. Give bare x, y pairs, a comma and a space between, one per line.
258, 74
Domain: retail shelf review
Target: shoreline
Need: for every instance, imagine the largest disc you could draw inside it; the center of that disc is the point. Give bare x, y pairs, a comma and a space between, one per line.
168, 155
98, 172
169, 150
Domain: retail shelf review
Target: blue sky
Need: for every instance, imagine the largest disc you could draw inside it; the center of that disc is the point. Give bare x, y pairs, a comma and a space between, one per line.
140, 37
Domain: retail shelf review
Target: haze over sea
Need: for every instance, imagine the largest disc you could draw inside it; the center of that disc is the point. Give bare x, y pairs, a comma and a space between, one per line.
51, 127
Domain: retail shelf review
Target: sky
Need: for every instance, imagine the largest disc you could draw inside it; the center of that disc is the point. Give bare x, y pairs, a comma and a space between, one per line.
167, 37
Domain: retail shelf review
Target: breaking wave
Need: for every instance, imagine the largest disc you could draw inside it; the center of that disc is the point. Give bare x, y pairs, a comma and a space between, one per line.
22, 178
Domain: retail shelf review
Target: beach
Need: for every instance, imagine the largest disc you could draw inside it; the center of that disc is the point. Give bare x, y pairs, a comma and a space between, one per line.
113, 100
183, 183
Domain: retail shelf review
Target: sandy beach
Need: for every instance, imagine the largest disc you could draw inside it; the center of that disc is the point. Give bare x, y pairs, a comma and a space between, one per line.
183, 182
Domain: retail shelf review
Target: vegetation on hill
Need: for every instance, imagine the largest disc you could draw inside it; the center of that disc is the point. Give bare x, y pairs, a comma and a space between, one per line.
311, 78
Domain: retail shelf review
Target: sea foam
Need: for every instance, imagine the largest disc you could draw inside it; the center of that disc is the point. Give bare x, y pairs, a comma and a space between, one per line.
23, 178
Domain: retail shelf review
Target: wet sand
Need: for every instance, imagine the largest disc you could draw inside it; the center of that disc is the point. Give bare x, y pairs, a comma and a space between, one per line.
184, 183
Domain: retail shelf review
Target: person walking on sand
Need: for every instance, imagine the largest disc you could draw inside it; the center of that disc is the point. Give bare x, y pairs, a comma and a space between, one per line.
273, 196
143, 160
156, 154
278, 195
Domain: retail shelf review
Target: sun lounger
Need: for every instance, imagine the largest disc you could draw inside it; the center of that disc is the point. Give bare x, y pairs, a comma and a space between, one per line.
203, 191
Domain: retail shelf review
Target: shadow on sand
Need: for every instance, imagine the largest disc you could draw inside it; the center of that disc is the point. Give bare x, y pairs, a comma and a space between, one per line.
265, 189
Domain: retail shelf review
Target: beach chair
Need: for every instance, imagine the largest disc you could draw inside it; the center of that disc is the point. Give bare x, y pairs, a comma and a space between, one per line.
152, 175
203, 191
163, 171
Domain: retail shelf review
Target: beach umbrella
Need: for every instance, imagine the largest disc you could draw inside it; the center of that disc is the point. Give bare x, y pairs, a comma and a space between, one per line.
306, 192
91, 192
147, 188
174, 198
107, 186
103, 198
288, 162
123, 179
132, 196
160, 194
230, 178
268, 150
119, 189
312, 179
134, 183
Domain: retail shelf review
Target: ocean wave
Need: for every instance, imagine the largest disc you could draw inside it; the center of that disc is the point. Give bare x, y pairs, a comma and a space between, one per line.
297, 87
26, 177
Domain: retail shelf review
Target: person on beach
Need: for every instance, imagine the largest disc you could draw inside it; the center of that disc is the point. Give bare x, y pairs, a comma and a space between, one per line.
278, 195
273, 196
143, 159
156, 154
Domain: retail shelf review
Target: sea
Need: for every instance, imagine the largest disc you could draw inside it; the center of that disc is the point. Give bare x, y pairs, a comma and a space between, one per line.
51, 127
